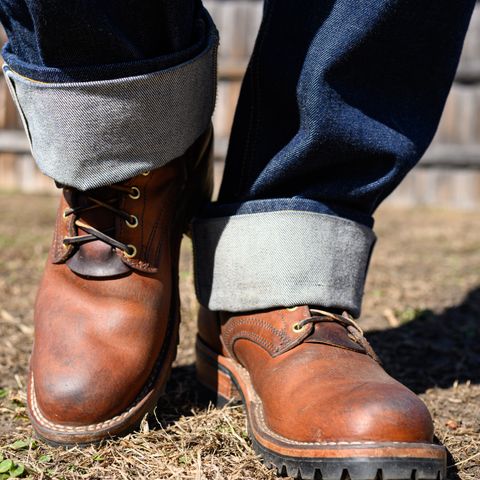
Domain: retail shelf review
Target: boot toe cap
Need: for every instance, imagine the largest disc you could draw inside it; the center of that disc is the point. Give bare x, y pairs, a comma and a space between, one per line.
82, 398
372, 412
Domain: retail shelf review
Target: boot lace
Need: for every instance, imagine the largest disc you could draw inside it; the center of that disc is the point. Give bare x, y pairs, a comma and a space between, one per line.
93, 233
354, 330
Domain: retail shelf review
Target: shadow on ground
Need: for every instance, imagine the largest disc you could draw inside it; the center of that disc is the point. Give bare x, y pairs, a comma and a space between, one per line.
434, 350
183, 394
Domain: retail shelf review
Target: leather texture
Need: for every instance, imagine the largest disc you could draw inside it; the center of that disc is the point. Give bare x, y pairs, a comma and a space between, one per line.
317, 380
102, 318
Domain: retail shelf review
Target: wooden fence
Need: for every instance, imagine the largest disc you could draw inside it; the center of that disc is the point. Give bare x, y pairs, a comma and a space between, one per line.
448, 175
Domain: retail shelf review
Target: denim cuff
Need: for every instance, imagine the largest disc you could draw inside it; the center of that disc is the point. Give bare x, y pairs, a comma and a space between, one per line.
281, 259
90, 134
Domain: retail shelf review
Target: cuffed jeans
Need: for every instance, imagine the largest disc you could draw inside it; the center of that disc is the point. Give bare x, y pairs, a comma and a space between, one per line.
339, 102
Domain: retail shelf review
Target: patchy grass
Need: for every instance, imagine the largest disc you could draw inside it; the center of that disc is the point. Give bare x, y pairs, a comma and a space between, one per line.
422, 311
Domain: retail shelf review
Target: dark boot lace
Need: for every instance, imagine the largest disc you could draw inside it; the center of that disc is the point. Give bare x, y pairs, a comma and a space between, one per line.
354, 330
110, 205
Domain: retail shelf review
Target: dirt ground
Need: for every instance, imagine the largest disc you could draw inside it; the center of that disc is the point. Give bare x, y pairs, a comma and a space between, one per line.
421, 309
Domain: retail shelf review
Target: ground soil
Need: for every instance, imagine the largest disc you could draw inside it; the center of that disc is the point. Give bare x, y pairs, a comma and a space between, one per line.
421, 310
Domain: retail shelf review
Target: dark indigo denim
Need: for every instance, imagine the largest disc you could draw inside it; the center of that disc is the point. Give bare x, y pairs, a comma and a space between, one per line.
83, 40
340, 100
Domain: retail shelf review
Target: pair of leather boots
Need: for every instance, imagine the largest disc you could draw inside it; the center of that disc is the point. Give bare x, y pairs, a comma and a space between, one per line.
317, 400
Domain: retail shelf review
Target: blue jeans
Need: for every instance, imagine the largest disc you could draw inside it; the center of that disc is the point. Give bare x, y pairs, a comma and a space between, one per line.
339, 102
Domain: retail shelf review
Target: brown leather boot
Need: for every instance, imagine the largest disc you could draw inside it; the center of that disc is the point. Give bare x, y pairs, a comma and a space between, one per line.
318, 402
107, 311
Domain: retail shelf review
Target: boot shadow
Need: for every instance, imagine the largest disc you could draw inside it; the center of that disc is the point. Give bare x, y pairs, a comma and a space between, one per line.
434, 350
183, 395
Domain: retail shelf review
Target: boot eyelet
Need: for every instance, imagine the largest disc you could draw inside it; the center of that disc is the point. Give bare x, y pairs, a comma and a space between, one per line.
292, 309
131, 252
135, 193
133, 223
297, 328
146, 174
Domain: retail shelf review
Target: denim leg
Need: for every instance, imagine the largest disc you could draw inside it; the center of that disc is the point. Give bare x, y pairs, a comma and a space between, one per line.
340, 101
90, 40
110, 89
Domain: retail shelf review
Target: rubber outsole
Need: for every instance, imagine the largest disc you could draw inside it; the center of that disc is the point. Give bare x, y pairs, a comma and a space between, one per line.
351, 468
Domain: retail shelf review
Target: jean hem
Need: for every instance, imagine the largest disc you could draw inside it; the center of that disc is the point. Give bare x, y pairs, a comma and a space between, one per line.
220, 209
91, 134
281, 259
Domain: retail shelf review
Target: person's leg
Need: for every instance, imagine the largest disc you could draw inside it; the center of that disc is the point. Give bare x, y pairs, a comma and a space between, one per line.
116, 99
339, 102
100, 40
93, 121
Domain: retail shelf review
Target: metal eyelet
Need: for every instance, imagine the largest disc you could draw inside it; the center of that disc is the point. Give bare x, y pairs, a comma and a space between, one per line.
65, 214
292, 309
131, 252
145, 174
134, 223
297, 328
135, 193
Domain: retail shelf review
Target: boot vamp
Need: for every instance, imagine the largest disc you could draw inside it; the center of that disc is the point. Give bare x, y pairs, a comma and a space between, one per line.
96, 342
322, 393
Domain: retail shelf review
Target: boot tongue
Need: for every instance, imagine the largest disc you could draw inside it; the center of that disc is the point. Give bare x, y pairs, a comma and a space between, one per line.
334, 334
100, 218
97, 258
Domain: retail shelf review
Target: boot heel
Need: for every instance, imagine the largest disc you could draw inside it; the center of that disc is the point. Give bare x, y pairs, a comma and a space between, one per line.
217, 383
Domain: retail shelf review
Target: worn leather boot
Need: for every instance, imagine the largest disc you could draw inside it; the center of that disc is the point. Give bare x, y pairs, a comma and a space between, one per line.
107, 311
318, 402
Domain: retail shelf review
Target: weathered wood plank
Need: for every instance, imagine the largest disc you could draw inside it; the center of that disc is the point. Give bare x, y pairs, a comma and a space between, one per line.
469, 68
238, 22
8, 112
14, 141
19, 173
452, 156
438, 187
460, 123
227, 96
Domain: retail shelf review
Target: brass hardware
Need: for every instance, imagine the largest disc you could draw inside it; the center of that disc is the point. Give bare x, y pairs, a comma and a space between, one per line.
145, 174
131, 252
297, 328
135, 193
134, 223
292, 309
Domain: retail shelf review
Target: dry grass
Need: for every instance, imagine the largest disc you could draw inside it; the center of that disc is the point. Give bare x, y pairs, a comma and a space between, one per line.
422, 310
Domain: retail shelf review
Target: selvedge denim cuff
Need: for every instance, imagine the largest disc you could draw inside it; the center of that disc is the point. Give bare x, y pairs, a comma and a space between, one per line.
91, 134
281, 259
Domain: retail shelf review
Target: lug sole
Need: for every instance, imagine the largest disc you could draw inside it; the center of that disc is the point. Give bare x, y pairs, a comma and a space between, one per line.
230, 382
